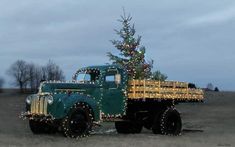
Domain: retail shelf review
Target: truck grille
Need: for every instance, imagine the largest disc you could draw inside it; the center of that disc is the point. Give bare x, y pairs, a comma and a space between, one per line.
39, 105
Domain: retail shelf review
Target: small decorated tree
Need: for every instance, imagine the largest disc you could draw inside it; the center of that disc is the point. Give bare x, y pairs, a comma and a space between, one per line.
132, 54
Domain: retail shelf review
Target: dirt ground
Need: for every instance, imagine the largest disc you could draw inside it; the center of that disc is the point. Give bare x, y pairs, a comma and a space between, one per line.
207, 124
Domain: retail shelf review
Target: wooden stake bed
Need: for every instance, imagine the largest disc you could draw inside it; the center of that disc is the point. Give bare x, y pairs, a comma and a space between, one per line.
166, 90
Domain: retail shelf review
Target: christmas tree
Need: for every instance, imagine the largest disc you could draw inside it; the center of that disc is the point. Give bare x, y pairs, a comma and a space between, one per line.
132, 54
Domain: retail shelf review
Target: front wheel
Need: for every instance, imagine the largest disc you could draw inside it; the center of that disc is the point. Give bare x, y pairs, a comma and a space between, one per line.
77, 123
36, 126
39, 127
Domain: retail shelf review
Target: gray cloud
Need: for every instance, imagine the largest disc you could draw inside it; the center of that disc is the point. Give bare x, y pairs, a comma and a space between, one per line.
189, 40
216, 17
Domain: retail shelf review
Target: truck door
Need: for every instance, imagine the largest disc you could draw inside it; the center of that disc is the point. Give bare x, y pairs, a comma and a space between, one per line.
113, 98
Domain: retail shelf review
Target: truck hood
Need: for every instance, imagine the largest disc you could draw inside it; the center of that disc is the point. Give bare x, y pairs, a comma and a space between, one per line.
56, 87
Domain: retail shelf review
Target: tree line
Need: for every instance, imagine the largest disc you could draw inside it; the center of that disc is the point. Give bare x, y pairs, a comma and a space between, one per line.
29, 75
1, 83
210, 87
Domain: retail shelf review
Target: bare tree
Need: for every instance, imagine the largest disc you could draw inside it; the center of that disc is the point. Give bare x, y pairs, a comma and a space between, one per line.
38, 76
1, 83
38, 73
18, 71
52, 72
30, 75
35, 75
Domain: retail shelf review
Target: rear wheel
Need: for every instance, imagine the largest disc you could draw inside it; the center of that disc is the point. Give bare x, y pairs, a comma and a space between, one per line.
156, 123
170, 122
148, 122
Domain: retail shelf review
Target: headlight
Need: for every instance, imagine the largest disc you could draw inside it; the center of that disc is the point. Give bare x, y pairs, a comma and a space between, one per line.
49, 99
28, 99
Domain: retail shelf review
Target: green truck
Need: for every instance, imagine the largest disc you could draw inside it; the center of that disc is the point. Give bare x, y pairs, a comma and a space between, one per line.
104, 93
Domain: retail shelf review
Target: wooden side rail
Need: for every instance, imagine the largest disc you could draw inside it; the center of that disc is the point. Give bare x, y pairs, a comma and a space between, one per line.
142, 89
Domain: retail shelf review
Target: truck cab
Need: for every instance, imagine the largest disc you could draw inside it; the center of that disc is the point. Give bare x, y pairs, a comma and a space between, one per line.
110, 83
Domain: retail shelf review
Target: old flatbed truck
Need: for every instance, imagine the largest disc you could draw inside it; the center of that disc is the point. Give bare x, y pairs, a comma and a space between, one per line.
104, 93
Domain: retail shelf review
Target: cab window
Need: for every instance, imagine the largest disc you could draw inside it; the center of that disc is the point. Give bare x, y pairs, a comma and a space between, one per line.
110, 78
113, 78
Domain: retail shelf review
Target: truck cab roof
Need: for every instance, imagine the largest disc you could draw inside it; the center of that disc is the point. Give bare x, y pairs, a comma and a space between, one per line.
103, 67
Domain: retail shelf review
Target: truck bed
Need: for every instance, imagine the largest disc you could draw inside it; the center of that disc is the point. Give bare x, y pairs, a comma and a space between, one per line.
163, 90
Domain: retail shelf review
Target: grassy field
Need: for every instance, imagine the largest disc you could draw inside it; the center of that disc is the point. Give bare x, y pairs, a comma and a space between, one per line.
207, 124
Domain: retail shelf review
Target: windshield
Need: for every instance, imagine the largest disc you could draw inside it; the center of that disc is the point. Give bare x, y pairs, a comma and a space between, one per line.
83, 77
88, 76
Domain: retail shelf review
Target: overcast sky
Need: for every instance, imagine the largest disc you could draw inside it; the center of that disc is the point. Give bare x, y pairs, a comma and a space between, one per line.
191, 41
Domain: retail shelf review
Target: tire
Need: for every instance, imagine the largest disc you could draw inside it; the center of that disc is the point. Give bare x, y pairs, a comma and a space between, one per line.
136, 127
39, 127
148, 122
78, 122
122, 127
36, 126
49, 129
125, 127
156, 123
170, 122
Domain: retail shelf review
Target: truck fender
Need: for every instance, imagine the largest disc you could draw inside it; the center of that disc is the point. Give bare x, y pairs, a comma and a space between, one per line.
74, 99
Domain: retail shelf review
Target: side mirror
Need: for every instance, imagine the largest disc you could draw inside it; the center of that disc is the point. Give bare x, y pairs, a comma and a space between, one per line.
118, 79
